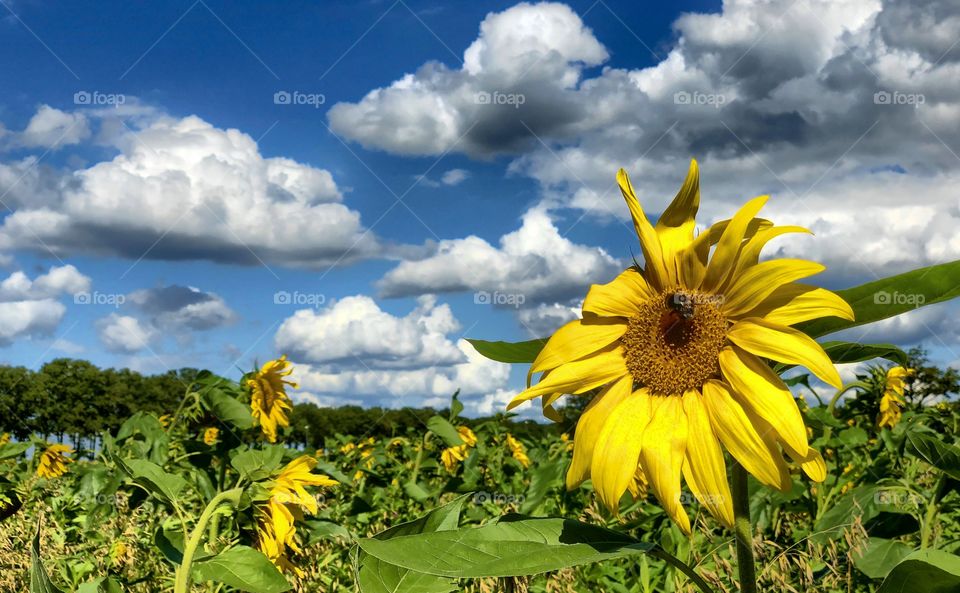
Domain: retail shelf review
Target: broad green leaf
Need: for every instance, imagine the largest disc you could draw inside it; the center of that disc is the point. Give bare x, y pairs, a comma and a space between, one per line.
257, 464
152, 477
512, 352
244, 568
864, 503
928, 571
456, 406
892, 296
446, 431
13, 450
879, 556
543, 477
376, 576
940, 455
847, 352
39, 579
853, 436
227, 408
416, 491
514, 546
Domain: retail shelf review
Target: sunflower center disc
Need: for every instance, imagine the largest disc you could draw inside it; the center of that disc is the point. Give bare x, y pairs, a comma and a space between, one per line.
673, 342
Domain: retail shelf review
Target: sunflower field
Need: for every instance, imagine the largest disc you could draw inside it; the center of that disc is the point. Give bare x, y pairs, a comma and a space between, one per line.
694, 448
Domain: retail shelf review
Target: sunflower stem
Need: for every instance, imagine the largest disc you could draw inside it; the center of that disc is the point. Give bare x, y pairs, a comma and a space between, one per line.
182, 581
743, 530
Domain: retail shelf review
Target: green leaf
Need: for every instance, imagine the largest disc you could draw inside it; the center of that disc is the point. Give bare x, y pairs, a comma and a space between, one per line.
416, 491
39, 579
940, 455
846, 352
227, 408
446, 431
928, 571
892, 296
512, 352
257, 464
152, 477
544, 477
377, 576
244, 568
13, 450
514, 546
879, 556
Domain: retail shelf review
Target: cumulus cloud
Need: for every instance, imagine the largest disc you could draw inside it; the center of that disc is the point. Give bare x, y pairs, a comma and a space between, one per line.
184, 189
52, 128
124, 334
29, 307
535, 263
183, 308
354, 349
546, 318
355, 332
532, 51
826, 105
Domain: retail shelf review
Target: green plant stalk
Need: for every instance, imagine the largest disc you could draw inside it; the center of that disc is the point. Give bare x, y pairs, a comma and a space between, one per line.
182, 582
743, 530
933, 507
682, 566
836, 397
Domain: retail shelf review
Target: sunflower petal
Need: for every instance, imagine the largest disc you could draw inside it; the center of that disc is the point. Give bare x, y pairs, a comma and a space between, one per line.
738, 434
750, 252
762, 392
757, 282
620, 298
725, 255
617, 450
704, 468
676, 224
793, 303
649, 241
784, 344
577, 377
589, 426
662, 455
810, 462
577, 339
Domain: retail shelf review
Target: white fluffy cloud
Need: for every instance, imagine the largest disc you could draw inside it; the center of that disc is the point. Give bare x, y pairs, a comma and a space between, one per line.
847, 112
29, 307
354, 349
124, 334
355, 332
177, 307
535, 263
52, 128
184, 189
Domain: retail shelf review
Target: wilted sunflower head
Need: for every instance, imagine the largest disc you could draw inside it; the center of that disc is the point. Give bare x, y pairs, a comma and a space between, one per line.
269, 402
891, 402
289, 500
53, 461
679, 350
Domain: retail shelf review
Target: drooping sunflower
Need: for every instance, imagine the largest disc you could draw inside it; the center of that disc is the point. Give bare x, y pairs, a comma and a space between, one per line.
53, 461
891, 403
679, 348
269, 402
289, 500
518, 451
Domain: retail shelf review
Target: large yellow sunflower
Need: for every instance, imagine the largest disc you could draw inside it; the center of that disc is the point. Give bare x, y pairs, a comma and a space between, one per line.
269, 402
680, 350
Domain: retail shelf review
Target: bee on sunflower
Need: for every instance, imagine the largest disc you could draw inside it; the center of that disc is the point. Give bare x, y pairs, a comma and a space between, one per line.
678, 348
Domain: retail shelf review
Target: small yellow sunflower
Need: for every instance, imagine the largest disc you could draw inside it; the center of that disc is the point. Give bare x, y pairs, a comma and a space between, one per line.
518, 451
467, 436
53, 461
289, 499
891, 403
269, 401
680, 349
4, 438
211, 436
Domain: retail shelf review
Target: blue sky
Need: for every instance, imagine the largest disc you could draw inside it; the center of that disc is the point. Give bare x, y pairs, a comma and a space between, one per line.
145, 159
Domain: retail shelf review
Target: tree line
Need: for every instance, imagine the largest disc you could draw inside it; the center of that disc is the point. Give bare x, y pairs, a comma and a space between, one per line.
74, 400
